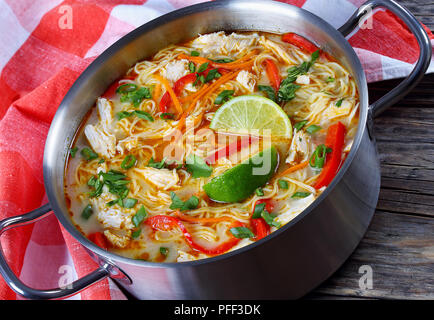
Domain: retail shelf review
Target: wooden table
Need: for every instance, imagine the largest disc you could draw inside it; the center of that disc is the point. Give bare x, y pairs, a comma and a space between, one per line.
399, 244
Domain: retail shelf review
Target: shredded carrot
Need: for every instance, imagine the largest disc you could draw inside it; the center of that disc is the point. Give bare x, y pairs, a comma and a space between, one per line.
157, 92
294, 168
172, 94
199, 60
188, 218
205, 91
238, 64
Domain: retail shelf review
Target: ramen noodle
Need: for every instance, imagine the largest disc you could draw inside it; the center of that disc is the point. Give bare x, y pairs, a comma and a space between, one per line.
154, 175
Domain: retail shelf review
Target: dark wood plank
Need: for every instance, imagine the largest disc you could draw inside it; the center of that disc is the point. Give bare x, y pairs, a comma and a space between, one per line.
400, 250
422, 9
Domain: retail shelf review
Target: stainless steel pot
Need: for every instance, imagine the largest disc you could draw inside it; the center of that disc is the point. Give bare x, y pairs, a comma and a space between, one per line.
291, 261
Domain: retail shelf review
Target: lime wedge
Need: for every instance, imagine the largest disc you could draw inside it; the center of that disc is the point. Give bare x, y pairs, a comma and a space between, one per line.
239, 182
250, 114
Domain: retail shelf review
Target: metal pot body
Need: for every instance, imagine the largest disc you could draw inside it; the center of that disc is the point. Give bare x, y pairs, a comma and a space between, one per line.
291, 261
289, 264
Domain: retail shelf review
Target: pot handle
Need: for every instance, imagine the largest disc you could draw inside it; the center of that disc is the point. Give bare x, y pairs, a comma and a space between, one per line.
423, 41
31, 293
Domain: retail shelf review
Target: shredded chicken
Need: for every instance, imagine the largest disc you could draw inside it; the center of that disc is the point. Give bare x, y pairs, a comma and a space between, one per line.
247, 80
218, 43
333, 111
102, 142
100, 137
303, 79
105, 111
120, 241
175, 70
299, 150
128, 144
162, 179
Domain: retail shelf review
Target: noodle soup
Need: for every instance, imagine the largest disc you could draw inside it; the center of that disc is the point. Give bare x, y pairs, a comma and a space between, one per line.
210, 145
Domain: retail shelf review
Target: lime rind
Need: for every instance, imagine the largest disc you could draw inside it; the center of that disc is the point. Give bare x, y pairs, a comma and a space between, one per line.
241, 181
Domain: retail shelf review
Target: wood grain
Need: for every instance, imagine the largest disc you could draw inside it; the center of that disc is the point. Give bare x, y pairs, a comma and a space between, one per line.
400, 250
422, 9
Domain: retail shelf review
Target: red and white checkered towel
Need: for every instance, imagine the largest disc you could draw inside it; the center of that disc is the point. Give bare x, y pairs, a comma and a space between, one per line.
42, 54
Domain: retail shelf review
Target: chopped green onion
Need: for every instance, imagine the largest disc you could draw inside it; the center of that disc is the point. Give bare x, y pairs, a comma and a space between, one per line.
300, 195
136, 233
101, 160
269, 91
241, 232
157, 165
87, 212
258, 210
114, 180
288, 88
127, 87
259, 192
167, 116
177, 203
223, 60
113, 202
318, 157
164, 251
123, 114
143, 115
283, 184
212, 74
139, 217
92, 181
136, 96
191, 67
128, 162
339, 103
202, 67
88, 154
130, 202
197, 166
300, 125
73, 151
195, 53
330, 79
313, 128
269, 219
224, 96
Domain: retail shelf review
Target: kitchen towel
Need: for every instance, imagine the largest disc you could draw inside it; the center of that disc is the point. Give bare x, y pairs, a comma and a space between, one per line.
46, 44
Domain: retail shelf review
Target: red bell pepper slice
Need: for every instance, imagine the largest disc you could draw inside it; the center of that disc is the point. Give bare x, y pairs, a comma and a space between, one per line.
99, 239
110, 92
230, 149
177, 88
166, 223
182, 82
261, 228
162, 222
335, 141
273, 74
164, 102
300, 42
269, 205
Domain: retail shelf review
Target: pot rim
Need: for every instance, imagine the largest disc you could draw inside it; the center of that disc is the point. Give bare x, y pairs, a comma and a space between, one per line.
350, 54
